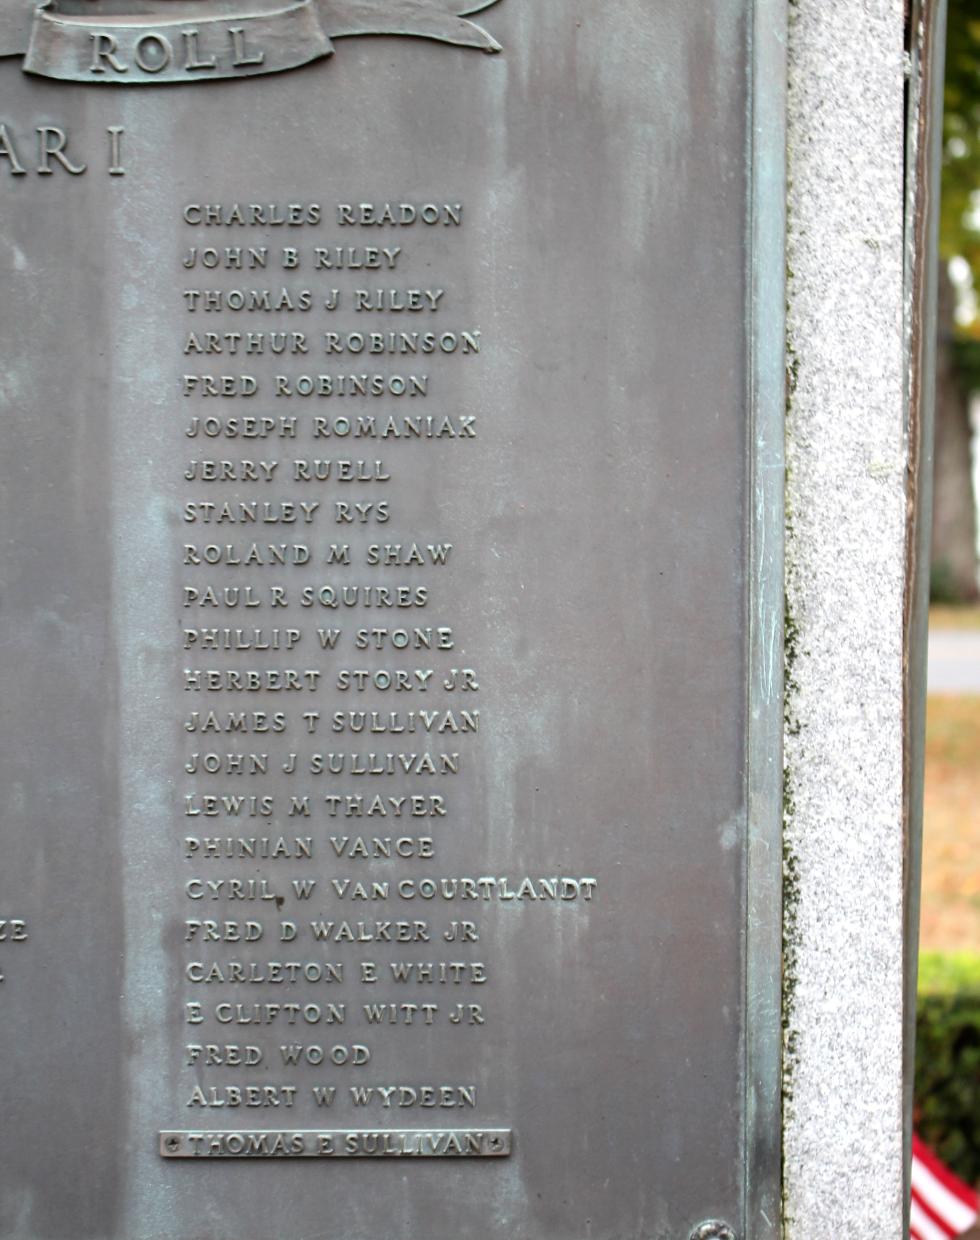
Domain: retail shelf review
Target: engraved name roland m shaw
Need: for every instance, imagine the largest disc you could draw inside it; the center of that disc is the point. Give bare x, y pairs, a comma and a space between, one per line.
201, 40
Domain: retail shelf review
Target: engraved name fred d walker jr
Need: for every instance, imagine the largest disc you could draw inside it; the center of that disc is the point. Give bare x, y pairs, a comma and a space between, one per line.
390, 616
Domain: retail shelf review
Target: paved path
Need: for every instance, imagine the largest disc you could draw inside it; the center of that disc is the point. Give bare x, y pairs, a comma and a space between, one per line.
954, 661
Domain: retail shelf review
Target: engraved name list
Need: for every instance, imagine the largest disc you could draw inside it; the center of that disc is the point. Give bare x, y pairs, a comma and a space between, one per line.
341, 948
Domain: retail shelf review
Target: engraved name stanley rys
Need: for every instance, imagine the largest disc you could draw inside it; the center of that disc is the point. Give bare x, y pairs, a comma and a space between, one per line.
319, 650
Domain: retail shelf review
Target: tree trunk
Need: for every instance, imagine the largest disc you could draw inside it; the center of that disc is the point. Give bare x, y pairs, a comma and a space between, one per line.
954, 521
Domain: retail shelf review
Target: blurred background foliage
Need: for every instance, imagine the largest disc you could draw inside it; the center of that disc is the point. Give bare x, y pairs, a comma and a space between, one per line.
959, 230
954, 542
960, 224
947, 1086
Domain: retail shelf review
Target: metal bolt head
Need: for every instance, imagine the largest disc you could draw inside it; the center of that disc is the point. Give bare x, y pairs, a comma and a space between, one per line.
713, 1229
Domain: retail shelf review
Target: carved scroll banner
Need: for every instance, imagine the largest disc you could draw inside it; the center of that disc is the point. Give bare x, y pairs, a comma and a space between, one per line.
79, 48
152, 48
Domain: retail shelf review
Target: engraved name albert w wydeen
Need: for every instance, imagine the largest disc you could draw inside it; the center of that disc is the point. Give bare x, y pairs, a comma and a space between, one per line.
144, 42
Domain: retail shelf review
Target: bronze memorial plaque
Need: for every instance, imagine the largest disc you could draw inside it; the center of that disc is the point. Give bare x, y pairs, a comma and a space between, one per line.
390, 619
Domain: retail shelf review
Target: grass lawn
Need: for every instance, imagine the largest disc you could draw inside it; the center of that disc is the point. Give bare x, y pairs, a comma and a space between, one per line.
951, 844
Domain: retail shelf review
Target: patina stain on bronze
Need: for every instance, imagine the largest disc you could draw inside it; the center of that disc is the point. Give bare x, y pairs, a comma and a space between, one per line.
390, 619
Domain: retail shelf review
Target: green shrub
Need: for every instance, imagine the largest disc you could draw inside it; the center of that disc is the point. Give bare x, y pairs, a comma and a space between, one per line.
947, 1060
949, 973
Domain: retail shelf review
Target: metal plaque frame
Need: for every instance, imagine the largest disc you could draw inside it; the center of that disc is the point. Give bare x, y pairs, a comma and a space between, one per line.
760, 693
762, 1152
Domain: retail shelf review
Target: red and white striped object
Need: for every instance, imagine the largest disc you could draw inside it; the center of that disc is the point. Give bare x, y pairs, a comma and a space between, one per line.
942, 1205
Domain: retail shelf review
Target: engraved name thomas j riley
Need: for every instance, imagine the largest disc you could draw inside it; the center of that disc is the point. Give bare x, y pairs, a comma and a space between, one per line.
140, 43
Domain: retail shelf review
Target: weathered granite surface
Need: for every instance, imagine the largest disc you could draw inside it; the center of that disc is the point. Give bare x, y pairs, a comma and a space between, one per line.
846, 456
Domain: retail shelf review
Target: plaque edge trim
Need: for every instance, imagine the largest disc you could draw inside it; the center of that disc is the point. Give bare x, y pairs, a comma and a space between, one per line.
763, 910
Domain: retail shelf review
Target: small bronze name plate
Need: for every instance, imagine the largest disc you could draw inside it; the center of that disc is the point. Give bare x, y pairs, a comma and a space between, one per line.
363, 1143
